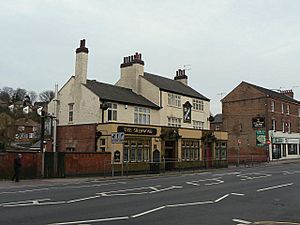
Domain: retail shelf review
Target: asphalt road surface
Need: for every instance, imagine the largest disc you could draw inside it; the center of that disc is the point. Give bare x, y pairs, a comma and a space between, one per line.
258, 195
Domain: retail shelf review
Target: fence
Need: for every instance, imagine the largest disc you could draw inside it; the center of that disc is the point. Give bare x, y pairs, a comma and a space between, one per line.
247, 160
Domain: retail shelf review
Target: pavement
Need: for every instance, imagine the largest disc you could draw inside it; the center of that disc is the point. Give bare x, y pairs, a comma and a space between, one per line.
72, 180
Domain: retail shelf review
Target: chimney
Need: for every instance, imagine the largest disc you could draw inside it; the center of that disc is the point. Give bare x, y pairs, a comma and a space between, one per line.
289, 93
81, 62
131, 69
181, 76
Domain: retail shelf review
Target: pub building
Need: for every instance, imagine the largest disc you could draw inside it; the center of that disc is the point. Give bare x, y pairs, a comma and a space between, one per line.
141, 119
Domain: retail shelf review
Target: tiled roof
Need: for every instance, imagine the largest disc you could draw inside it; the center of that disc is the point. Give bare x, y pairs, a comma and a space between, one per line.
108, 92
273, 94
218, 118
173, 86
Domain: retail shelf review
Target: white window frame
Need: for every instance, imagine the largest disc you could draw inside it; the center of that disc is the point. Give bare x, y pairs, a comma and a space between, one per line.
141, 115
298, 112
174, 122
274, 124
71, 112
174, 100
198, 105
283, 126
112, 111
272, 106
198, 124
282, 108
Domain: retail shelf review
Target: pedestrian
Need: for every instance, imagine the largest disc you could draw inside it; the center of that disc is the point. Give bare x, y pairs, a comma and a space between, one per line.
17, 168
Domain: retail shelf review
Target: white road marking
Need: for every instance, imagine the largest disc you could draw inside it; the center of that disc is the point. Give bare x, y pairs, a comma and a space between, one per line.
147, 212
25, 201
251, 176
290, 172
238, 194
92, 221
224, 174
166, 189
274, 187
219, 199
241, 221
211, 181
83, 199
189, 204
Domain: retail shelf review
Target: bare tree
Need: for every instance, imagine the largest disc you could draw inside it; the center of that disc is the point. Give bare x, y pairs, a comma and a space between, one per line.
46, 96
33, 96
19, 94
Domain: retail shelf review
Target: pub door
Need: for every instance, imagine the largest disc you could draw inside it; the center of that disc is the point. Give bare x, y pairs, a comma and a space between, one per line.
170, 155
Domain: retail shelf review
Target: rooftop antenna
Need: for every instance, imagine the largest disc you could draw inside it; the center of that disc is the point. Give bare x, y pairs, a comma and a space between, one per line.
187, 67
221, 94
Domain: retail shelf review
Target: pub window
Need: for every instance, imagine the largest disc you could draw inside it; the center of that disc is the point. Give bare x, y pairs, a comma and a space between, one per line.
71, 112
198, 105
102, 145
141, 115
190, 150
198, 124
174, 100
136, 150
112, 111
174, 122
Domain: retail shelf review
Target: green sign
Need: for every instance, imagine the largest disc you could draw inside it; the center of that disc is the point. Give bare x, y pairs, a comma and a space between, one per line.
260, 138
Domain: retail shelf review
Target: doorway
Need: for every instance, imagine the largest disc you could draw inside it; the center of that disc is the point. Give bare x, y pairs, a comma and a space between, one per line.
170, 155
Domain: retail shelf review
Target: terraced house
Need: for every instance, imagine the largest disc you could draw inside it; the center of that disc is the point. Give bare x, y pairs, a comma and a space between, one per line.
163, 120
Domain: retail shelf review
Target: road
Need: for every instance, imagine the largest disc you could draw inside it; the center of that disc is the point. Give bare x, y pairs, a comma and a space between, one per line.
258, 195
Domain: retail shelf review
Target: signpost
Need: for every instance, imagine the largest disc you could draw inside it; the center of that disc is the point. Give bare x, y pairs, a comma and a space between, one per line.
116, 138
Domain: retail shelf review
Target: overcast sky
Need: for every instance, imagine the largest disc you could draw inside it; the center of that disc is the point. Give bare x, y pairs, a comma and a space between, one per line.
224, 42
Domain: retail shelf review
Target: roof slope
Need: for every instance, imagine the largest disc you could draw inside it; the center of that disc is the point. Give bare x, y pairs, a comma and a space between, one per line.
174, 86
218, 118
273, 94
114, 93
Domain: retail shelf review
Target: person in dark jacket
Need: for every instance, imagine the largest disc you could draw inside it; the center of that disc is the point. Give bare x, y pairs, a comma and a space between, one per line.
17, 168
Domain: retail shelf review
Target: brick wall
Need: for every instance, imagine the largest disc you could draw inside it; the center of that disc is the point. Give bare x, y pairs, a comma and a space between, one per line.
80, 137
238, 108
87, 163
31, 164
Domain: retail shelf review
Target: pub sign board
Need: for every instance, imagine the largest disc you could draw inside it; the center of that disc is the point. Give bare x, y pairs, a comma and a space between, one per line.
258, 122
137, 130
187, 112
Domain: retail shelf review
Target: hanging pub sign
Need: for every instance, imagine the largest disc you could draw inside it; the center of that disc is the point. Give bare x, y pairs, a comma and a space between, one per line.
260, 138
258, 122
187, 112
137, 130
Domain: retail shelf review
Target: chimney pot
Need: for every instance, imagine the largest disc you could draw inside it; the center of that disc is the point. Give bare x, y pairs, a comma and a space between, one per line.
82, 43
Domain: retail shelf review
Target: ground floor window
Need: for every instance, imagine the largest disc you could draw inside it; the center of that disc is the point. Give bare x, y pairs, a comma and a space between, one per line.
221, 151
136, 150
190, 150
292, 149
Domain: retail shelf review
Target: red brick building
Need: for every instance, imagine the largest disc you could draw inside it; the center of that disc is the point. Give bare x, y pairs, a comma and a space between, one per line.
262, 124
